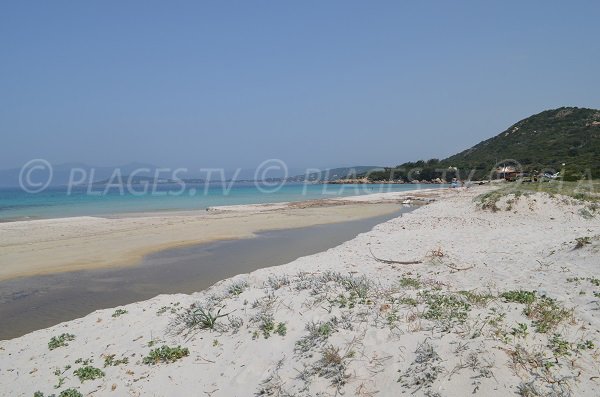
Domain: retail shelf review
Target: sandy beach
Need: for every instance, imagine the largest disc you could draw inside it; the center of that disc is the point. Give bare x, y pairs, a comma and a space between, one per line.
450, 299
82, 243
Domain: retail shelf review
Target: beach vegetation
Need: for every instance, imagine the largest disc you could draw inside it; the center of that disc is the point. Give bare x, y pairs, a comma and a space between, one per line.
194, 318
278, 281
546, 314
237, 288
519, 296
489, 200
88, 373
60, 341
165, 354
446, 309
357, 286
424, 370
235, 323
408, 301
61, 381
70, 393
318, 333
477, 299
65, 393
559, 346
266, 324
110, 361
333, 365
581, 242
281, 329
408, 282
586, 345
119, 312
520, 331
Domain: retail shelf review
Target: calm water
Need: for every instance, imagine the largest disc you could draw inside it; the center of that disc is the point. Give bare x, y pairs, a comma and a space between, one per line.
31, 303
56, 202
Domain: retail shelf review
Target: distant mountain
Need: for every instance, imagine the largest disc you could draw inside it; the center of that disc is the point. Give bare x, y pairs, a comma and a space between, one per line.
333, 174
78, 172
542, 142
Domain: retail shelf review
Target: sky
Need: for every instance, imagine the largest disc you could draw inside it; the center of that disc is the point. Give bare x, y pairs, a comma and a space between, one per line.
314, 83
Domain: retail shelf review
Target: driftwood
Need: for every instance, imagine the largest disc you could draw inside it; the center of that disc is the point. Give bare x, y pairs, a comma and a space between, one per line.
391, 262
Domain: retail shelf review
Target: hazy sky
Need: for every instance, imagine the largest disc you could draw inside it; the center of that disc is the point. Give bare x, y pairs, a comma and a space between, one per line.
316, 83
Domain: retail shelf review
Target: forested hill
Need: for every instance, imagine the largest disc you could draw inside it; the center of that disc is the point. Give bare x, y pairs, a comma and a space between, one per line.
544, 141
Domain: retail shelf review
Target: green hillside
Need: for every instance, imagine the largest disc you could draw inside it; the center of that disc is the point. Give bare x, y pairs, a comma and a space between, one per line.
542, 142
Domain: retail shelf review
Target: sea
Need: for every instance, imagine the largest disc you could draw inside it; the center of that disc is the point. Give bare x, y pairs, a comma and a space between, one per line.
61, 201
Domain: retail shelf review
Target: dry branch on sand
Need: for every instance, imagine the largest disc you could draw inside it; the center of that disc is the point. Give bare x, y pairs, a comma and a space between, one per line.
393, 262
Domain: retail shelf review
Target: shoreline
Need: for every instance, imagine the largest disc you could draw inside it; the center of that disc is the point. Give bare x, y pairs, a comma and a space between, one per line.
58, 245
141, 210
441, 316
31, 303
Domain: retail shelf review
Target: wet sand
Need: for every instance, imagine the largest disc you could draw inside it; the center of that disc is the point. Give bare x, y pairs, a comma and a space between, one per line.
29, 248
31, 303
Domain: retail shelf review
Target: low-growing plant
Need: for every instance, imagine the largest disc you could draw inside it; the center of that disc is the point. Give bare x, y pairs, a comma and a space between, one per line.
59, 341
358, 286
65, 393
408, 282
237, 288
519, 296
581, 242
546, 314
318, 333
119, 312
267, 324
424, 370
165, 354
70, 393
109, 360
88, 373
585, 345
408, 301
477, 299
447, 310
333, 366
559, 346
276, 282
196, 317
520, 331
281, 329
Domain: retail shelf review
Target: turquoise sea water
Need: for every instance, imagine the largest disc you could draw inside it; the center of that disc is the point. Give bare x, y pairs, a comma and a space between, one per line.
58, 202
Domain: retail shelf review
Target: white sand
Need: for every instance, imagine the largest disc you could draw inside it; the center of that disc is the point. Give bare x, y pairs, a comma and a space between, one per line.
377, 342
57, 245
